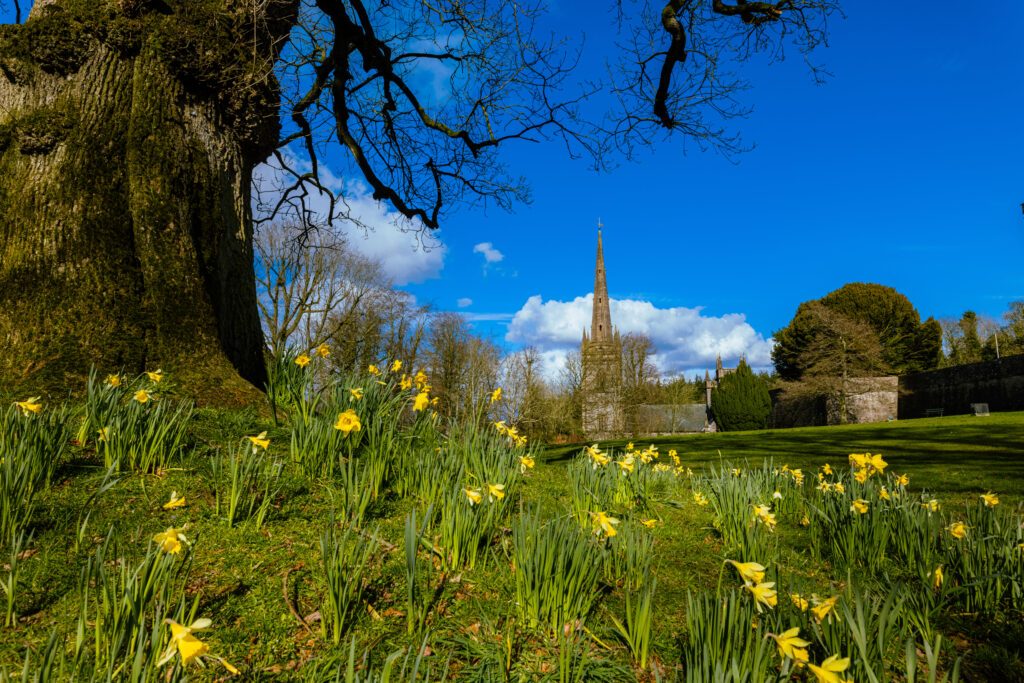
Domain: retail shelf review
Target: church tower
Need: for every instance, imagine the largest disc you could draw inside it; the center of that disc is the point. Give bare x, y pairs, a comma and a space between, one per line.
601, 353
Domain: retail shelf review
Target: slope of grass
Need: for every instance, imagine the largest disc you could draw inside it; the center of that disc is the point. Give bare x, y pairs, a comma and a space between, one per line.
255, 585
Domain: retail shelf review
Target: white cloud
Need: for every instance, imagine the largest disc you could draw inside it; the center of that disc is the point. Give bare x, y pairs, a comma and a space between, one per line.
687, 341
406, 251
491, 255
463, 302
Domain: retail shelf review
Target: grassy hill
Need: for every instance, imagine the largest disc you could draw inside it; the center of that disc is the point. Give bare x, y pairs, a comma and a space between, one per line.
263, 582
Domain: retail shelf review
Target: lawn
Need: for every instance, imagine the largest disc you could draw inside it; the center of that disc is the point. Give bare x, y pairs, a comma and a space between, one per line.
263, 584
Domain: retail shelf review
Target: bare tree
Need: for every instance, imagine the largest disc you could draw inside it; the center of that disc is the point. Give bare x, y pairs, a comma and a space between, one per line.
462, 366
639, 375
523, 392
307, 294
843, 358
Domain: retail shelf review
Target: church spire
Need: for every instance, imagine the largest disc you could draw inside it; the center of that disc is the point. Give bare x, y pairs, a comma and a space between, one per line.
601, 326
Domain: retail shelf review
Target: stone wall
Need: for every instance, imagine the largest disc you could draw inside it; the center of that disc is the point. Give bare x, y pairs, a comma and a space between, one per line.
999, 383
871, 399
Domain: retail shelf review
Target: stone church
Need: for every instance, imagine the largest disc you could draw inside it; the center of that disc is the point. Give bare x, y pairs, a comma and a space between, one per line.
601, 353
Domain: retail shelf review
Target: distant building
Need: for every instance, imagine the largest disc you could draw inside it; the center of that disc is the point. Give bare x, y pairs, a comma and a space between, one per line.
601, 354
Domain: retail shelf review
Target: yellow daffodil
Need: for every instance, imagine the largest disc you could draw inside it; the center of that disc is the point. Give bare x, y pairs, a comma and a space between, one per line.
323, 350
496, 395
689, 472
826, 468
156, 376
883, 494
421, 402
500, 426
420, 379
830, 669
434, 401
188, 647
114, 380
990, 499
798, 476
699, 498
932, 505
824, 486
474, 495
958, 530
751, 572
823, 607
763, 594
859, 460
604, 524
629, 446
937, 578
373, 370
355, 394
102, 434
792, 645
649, 523
396, 366
142, 396
662, 467
259, 441
348, 422
861, 475
736, 472
302, 361
800, 601
405, 383
763, 514
804, 521
785, 468
30, 406
777, 495
525, 463
176, 501
903, 480
838, 487
495, 491
626, 464
170, 541
876, 464
860, 505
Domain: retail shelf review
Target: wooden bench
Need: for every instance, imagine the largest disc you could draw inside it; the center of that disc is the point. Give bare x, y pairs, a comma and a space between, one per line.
933, 412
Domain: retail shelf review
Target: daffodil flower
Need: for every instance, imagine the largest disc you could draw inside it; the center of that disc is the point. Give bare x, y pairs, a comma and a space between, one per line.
604, 524
170, 541
764, 514
937, 577
421, 402
420, 379
302, 361
259, 441
805, 521
474, 495
699, 498
800, 601
990, 499
903, 480
883, 494
348, 422
830, 669
860, 505
30, 406
495, 491
156, 376
396, 366
373, 370
323, 350
751, 572
176, 501
629, 446
958, 530
113, 380
861, 475
838, 487
649, 523
143, 396
736, 472
763, 594
525, 463
859, 460
102, 434
823, 607
496, 395
792, 645
826, 468
405, 383
188, 647
355, 394
777, 495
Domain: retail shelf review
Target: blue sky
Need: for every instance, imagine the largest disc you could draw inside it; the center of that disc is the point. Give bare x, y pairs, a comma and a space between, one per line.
905, 169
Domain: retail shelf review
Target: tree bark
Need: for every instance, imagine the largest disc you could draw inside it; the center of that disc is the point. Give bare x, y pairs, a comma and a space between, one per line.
127, 143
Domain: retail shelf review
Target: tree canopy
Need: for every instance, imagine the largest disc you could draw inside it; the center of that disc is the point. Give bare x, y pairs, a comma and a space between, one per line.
741, 400
907, 344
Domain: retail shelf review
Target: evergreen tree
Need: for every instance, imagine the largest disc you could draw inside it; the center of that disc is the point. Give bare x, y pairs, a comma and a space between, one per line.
741, 401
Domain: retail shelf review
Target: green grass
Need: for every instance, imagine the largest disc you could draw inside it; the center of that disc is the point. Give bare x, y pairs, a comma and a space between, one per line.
250, 581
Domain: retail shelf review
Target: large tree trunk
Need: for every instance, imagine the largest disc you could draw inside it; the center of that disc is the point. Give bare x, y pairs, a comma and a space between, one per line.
127, 142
